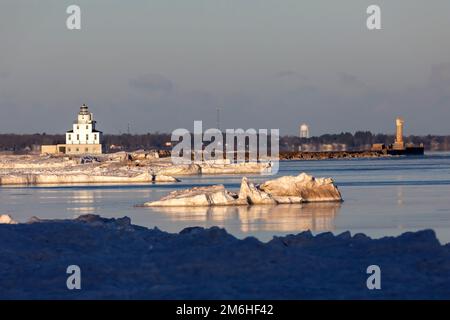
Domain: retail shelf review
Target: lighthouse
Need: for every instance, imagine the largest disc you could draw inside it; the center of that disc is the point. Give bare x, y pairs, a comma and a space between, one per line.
84, 137
399, 144
399, 147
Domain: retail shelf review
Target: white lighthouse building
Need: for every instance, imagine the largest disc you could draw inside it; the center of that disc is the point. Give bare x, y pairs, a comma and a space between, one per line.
84, 137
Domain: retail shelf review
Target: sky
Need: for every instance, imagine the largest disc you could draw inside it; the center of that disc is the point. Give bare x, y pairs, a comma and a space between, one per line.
158, 65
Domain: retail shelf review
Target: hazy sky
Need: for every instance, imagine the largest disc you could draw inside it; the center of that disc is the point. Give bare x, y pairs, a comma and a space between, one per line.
161, 64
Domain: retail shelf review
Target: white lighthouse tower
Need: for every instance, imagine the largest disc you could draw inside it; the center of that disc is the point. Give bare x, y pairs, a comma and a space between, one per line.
84, 138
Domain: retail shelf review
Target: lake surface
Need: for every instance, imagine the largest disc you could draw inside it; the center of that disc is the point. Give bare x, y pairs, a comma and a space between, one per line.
383, 197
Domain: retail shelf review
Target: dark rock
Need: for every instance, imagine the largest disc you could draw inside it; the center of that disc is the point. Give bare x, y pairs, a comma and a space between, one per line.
344, 235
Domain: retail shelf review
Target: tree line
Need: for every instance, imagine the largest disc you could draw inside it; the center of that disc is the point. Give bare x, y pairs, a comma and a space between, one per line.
364, 139
129, 142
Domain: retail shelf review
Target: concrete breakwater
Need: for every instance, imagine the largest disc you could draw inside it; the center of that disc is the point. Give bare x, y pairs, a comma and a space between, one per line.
323, 155
308, 155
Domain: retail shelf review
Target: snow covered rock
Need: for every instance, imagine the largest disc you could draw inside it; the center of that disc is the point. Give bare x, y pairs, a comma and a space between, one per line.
92, 177
123, 223
252, 195
182, 169
89, 159
284, 190
143, 155
235, 168
164, 178
198, 196
307, 187
118, 156
288, 199
6, 219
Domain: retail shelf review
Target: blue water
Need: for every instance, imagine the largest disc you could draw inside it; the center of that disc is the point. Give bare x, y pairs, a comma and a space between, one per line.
383, 197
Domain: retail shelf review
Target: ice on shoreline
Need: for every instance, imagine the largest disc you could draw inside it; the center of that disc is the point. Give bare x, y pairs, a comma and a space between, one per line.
138, 167
49, 178
119, 260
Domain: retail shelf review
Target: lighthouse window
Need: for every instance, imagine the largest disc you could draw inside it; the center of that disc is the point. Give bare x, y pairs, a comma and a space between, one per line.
70, 137
87, 127
87, 137
78, 137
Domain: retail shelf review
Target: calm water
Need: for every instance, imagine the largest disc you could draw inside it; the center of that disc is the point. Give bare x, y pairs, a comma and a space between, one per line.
382, 197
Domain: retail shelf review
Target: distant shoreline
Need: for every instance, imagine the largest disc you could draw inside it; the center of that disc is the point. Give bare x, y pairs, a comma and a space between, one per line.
325, 155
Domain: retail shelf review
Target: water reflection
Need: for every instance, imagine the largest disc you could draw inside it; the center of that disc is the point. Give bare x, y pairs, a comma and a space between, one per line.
81, 202
280, 218
400, 197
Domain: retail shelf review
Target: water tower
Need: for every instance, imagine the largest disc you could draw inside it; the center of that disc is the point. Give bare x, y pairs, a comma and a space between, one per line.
304, 131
